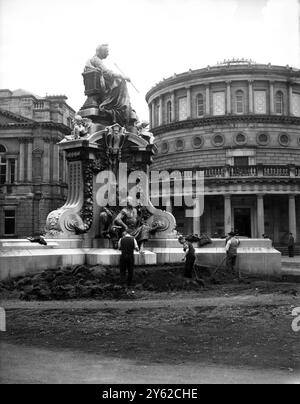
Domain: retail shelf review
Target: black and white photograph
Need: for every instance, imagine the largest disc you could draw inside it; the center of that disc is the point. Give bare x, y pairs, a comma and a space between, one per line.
149, 195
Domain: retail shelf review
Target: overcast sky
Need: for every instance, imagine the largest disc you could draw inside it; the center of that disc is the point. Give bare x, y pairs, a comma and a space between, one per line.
44, 44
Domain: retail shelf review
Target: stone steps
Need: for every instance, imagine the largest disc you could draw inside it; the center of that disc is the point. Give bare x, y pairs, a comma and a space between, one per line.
285, 252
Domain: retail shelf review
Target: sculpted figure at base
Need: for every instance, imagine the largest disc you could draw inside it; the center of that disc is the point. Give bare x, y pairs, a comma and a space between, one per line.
116, 100
80, 128
114, 220
129, 219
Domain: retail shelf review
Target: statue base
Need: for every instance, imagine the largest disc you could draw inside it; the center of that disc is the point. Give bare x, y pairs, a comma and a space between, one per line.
20, 257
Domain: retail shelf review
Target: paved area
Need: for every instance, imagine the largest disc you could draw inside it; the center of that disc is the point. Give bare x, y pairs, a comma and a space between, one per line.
19, 364
291, 266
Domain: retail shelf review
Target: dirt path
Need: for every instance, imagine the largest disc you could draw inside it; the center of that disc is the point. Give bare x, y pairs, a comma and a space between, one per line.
21, 364
195, 301
163, 338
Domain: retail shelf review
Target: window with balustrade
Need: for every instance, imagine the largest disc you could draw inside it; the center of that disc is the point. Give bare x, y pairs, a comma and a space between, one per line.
39, 105
239, 102
200, 105
241, 161
169, 112
279, 103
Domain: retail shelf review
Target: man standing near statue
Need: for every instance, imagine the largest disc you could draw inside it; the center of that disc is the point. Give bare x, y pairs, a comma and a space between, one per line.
127, 246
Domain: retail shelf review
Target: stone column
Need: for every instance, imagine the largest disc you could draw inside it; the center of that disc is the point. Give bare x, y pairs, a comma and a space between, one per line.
153, 114
46, 160
161, 111
290, 98
207, 100
169, 208
197, 218
55, 163
292, 216
188, 103
29, 161
208, 218
22, 160
272, 101
260, 215
228, 93
65, 173
227, 214
150, 115
250, 86
173, 102
276, 213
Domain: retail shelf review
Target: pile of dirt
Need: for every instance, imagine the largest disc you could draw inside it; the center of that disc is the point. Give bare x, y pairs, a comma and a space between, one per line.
98, 282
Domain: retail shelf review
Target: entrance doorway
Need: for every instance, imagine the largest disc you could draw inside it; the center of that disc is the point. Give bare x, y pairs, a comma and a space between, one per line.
242, 221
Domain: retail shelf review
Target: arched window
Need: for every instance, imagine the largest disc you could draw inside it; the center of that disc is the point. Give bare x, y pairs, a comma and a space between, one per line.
2, 149
200, 105
239, 102
279, 103
169, 112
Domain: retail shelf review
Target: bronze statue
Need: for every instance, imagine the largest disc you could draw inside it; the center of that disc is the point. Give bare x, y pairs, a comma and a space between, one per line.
115, 98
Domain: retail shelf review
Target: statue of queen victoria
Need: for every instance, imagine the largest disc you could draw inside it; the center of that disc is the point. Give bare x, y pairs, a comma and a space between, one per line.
107, 90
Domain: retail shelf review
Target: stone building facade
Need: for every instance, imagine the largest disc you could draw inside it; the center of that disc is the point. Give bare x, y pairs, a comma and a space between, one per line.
33, 172
239, 122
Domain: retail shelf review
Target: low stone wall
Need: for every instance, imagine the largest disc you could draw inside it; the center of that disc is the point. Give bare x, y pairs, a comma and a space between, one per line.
19, 257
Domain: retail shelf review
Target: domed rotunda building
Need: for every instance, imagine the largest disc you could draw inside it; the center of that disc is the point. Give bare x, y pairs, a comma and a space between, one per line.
239, 122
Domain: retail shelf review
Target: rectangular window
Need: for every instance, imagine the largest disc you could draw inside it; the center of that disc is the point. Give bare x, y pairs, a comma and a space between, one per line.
2, 170
241, 161
296, 104
12, 170
219, 103
182, 108
9, 222
260, 105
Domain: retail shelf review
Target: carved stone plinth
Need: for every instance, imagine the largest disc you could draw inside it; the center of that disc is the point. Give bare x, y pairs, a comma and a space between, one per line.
89, 156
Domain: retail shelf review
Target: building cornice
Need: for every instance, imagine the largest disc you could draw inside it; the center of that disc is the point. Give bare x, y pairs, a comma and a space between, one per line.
216, 71
225, 119
34, 125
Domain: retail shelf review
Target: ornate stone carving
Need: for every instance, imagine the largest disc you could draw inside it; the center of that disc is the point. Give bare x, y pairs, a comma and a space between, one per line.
219, 103
260, 106
95, 146
80, 128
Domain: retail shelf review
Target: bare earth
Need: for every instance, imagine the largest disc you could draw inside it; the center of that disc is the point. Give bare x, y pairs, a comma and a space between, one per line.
243, 337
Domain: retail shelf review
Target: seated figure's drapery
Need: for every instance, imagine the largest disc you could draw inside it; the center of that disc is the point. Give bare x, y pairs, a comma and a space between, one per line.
116, 99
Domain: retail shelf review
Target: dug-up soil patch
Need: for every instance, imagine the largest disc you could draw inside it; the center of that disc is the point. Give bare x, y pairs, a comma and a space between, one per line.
103, 283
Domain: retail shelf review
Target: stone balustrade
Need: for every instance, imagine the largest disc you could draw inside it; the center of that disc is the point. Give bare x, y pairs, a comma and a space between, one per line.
250, 171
